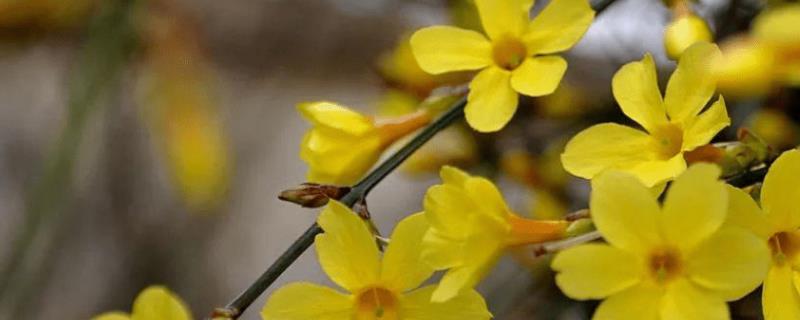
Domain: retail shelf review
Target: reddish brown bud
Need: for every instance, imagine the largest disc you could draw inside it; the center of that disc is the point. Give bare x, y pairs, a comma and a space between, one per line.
313, 195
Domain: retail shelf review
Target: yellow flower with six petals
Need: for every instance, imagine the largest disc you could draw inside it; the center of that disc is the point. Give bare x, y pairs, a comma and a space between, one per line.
154, 303
471, 226
516, 57
778, 225
344, 144
678, 261
380, 288
673, 125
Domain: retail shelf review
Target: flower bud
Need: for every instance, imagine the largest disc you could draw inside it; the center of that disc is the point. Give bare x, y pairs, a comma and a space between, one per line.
684, 31
313, 195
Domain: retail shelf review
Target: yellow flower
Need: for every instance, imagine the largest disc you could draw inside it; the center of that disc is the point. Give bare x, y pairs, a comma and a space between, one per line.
516, 57
343, 144
379, 288
670, 262
673, 125
778, 225
154, 303
471, 226
686, 30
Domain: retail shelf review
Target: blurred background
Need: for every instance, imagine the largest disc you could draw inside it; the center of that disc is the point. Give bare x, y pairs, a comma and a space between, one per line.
144, 142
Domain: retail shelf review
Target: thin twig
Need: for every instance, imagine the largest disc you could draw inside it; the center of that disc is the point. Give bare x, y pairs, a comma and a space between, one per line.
554, 246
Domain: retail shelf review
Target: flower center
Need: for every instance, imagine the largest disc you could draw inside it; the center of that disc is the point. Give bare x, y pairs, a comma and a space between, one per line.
377, 303
784, 246
509, 53
664, 264
668, 140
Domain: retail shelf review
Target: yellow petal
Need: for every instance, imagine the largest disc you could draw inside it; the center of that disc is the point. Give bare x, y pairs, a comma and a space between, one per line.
491, 101
303, 301
684, 31
331, 116
778, 26
780, 299
158, 303
638, 303
338, 159
695, 206
655, 172
441, 49
732, 263
635, 87
559, 26
625, 211
780, 192
686, 301
468, 305
692, 83
605, 146
402, 267
489, 200
595, 271
113, 316
440, 251
706, 125
504, 18
743, 212
479, 254
446, 207
538, 76
453, 175
347, 250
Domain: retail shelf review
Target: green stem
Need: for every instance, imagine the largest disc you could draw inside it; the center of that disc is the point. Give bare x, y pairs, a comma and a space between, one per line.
234, 309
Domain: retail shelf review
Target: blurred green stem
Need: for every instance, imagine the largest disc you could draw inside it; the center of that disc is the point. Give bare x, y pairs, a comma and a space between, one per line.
108, 42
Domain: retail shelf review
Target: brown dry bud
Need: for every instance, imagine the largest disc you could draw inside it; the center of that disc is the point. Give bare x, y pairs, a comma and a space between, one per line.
313, 195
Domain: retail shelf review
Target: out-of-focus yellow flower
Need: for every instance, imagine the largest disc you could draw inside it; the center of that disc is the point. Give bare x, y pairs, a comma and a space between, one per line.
684, 31
516, 57
464, 14
400, 70
673, 126
670, 262
778, 225
471, 226
177, 87
343, 144
774, 127
379, 288
154, 303
769, 56
567, 101
543, 175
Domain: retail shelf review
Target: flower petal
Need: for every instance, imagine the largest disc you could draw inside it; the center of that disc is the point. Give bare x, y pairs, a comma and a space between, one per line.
638, 303
780, 298
338, 159
347, 250
695, 206
625, 211
441, 252
504, 18
334, 117
779, 193
635, 87
158, 303
559, 26
538, 76
453, 175
655, 172
706, 125
744, 212
113, 316
686, 301
468, 305
402, 267
491, 101
692, 83
479, 254
605, 146
302, 301
733, 262
595, 271
441, 49
446, 208
490, 201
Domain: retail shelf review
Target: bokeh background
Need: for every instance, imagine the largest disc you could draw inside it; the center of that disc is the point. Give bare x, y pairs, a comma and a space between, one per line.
149, 147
